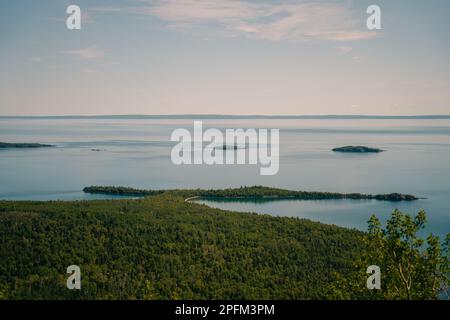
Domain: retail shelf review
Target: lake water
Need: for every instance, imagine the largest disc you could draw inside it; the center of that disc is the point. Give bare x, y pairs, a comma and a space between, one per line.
136, 153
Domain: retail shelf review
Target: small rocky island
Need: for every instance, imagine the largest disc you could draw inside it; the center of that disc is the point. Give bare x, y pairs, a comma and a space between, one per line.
226, 147
230, 147
357, 149
5, 145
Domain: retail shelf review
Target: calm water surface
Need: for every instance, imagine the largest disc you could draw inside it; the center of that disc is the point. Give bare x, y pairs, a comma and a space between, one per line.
136, 153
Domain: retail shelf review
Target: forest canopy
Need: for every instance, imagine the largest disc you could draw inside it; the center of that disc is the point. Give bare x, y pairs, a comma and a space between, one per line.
162, 247
251, 193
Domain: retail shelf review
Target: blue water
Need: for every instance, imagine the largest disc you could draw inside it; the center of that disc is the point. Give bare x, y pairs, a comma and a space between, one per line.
136, 153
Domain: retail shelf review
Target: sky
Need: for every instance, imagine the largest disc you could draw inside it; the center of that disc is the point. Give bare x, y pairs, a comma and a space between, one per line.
281, 57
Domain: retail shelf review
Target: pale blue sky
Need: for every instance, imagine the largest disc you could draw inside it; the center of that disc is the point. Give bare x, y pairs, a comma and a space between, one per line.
224, 56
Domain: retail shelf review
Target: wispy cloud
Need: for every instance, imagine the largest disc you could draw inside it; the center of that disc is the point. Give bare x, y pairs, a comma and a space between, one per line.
348, 51
344, 49
283, 20
90, 53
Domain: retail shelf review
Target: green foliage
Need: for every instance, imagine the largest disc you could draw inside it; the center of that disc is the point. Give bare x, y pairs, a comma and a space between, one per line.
162, 247
5, 145
122, 191
411, 268
249, 193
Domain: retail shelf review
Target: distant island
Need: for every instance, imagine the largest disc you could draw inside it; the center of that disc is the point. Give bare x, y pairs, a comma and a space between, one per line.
248, 193
230, 147
5, 145
357, 149
227, 147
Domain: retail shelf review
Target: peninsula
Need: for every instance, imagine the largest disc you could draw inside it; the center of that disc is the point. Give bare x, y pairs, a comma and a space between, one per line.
250, 193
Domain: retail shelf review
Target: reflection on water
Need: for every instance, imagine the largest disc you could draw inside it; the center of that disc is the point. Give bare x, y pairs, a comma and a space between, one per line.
343, 212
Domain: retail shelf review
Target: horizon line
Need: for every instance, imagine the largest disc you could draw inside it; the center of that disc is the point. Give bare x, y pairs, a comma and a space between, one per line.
226, 116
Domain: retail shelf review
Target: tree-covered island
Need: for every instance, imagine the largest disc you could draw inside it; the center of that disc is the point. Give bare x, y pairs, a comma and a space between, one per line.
357, 149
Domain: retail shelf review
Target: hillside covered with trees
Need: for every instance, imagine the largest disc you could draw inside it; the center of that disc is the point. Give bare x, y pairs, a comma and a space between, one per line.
162, 247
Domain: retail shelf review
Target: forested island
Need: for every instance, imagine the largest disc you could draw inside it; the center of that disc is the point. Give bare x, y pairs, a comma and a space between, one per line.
249, 193
5, 145
357, 149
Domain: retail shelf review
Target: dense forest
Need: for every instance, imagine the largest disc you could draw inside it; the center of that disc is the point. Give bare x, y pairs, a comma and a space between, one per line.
162, 247
255, 192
